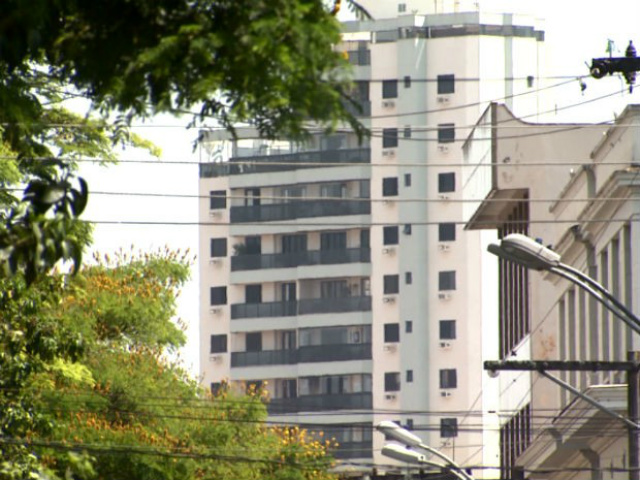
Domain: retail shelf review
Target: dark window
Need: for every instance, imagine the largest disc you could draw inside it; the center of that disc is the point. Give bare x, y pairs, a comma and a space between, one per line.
409, 376
218, 343
389, 186
390, 89
218, 247
446, 133
253, 245
448, 427
391, 332
407, 132
407, 229
218, 295
446, 84
391, 284
252, 197
217, 387
446, 232
408, 326
408, 278
333, 241
407, 179
365, 188
446, 182
389, 137
392, 381
407, 80
409, 424
334, 289
390, 235
253, 293
448, 378
254, 342
447, 280
365, 237
217, 199
294, 243
447, 329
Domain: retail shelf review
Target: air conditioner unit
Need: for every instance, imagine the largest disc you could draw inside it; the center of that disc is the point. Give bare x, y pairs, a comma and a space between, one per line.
215, 310
389, 299
215, 261
388, 104
445, 344
390, 347
444, 296
444, 393
215, 358
390, 396
444, 247
389, 153
388, 250
215, 213
443, 196
444, 99
443, 148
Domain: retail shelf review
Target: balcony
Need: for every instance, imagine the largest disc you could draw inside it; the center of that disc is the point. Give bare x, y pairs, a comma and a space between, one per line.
348, 450
301, 307
312, 403
265, 357
298, 259
287, 161
300, 209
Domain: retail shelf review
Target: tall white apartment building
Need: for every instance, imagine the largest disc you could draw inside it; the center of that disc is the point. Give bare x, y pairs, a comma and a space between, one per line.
339, 273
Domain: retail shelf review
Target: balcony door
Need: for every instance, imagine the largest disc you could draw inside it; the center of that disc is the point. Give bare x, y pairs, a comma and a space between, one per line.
288, 292
333, 241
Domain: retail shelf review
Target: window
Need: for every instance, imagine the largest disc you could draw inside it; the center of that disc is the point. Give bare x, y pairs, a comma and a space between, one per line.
218, 387
365, 238
253, 293
409, 376
389, 137
390, 235
217, 199
252, 197
447, 329
447, 280
365, 188
408, 326
218, 295
409, 424
291, 193
406, 132
446, 132
402, 7
446, 84
391, 332
218, 247
446, 182
333, 190
334, 289
446, 232
218, 343
253, 245
253, 342
390, 89
407, 179
294, 243
392, 381
389, 186
391, 284
333, 241
408, 278
448, 427
448, 378
407, 80
407, 229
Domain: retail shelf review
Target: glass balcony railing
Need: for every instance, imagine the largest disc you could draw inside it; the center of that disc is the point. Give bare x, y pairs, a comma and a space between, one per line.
300, 209
307, 354
298, 259
265, 357
301, 307
287, 161
312, 403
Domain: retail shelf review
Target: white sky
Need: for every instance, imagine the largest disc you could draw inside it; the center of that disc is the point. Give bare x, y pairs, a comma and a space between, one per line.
576, 31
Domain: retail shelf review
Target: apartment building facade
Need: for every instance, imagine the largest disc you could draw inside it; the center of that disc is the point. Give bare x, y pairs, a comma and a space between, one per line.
338, 273
574, 187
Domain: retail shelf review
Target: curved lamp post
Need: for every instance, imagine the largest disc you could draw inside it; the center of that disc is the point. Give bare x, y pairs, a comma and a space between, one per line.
405, 454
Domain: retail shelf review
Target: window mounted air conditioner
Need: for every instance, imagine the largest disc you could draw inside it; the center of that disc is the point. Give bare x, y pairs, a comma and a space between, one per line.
443, 99
443, 148
215, 213
215, 261
390, 396
444, 296
444, 247
445, 344
443, 196
389, 153
215, 358
215, 310
388, 250
388, 104
389, 299
444, 393
390, 347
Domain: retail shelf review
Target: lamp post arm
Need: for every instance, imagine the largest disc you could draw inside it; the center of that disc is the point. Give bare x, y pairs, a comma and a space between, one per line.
461, 474
587, 279
599, 297
449, 462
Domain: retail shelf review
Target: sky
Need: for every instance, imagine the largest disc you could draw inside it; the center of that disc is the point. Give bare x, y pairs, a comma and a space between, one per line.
164, 191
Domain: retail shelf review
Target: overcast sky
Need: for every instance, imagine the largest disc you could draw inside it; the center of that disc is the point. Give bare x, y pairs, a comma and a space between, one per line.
576, 31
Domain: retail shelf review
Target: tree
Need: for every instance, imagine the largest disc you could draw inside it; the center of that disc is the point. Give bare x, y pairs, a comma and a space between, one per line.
108, 403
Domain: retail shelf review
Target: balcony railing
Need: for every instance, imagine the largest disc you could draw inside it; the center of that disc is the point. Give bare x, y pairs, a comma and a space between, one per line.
346, 450
297, 259
313, 403
308, 354
301, 307
287, 161
300, 209
265, 357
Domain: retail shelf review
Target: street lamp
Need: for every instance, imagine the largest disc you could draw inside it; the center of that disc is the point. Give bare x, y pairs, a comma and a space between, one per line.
405, 454
525, 251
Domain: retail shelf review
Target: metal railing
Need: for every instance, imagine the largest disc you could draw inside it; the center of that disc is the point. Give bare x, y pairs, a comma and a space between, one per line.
297, 259
301, 307
299, 209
